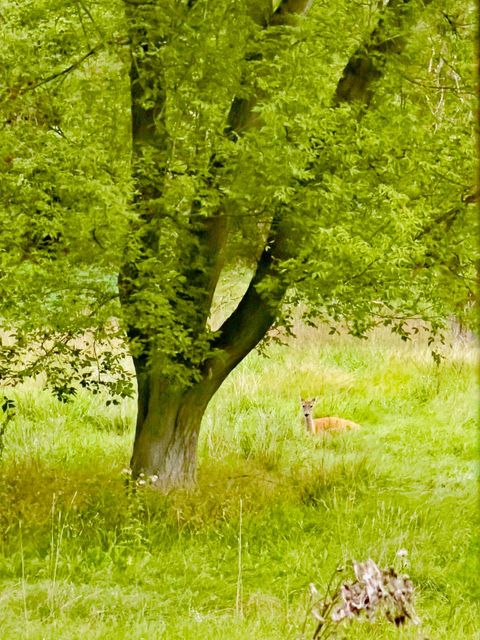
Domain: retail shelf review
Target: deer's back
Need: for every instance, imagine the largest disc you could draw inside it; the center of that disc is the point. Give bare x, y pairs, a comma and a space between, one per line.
333, 423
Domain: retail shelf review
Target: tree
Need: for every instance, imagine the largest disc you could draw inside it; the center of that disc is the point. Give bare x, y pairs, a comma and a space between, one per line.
309, 146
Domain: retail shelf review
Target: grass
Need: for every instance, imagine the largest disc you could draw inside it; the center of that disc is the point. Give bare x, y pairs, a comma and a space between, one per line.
275, 509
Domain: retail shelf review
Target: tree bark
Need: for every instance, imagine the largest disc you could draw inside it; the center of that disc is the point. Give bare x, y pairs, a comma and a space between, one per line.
168, 424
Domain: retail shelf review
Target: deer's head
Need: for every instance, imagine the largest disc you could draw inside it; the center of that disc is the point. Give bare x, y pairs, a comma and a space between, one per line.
307, 406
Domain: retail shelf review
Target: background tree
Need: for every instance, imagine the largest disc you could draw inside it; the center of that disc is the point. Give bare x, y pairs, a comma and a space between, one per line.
317, 154
63, 190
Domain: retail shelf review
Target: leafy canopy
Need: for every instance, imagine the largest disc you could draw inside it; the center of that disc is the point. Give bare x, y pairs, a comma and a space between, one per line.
373, 197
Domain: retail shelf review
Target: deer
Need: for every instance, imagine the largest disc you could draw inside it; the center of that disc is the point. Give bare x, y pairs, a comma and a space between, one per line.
320, 425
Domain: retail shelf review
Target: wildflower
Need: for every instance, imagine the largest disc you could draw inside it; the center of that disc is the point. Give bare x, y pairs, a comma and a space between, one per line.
402, 555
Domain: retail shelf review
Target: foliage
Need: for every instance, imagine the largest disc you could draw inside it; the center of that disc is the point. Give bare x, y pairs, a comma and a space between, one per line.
374, 200
63, 191
8, 413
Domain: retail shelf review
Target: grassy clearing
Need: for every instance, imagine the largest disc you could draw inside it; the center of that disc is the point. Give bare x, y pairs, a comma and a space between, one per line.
80, 557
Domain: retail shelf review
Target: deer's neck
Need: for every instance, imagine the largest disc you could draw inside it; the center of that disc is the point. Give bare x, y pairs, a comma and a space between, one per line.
310, 424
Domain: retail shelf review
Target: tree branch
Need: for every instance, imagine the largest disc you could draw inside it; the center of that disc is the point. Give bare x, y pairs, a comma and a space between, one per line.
363, 68
32, 85
366, 64
250, 321
212, 232
253, 316
289, 8
447, 218
242, 115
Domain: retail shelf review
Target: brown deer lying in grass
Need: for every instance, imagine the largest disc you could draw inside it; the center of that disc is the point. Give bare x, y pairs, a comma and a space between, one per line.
330, 423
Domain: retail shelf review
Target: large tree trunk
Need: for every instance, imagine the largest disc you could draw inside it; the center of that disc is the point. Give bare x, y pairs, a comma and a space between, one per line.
168, 424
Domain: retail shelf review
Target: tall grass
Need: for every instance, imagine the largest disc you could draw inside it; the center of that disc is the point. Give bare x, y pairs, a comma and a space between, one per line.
275, 509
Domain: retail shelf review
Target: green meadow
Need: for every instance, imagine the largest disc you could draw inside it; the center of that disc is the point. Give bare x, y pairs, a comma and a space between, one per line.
85, 556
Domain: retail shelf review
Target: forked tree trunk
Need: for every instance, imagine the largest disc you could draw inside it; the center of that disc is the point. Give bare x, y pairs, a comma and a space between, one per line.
169, 416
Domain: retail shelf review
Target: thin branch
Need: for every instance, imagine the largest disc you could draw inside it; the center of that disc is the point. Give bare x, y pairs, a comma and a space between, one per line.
448, 178
361, 273
31, 86
89, 14
80, 17
447, 217
438, 87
